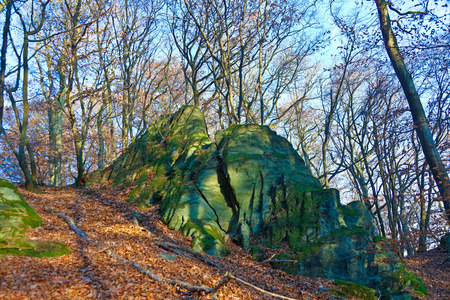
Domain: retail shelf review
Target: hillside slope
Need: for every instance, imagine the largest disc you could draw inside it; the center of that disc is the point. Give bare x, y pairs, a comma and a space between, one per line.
87, 273
105, 216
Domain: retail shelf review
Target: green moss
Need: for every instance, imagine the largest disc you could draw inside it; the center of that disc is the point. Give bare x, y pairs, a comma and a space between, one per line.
390, 260
140, 185
121, 176
288, 267
307, 250
14, 211
34, 248
135, 192
378, 239
6, 183
335, 292
171, 201
348, 231
15, 217
205, 238
175, 148
295, 216
347, 210
257, 253
357, 290
242, 157
410, 282
314, 247
153, 193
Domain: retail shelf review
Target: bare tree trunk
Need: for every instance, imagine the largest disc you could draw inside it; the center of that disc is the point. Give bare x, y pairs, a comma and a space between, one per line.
30, 178
3, 57
420, 120
101, 154
56, 142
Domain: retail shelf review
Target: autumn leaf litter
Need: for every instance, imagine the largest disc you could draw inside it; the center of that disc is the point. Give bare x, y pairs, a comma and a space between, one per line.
104, 215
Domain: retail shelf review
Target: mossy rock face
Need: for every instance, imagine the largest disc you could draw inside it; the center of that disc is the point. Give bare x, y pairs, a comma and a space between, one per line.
265, 184
206, 238
337, 293
32, 247
252, 186
327, 238
173, 163
357, 290
411, 282
16, 216
394, 281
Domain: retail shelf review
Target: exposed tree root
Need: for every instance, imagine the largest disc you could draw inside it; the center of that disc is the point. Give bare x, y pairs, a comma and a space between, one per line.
188, 252
174, 248
177, 249
184, 285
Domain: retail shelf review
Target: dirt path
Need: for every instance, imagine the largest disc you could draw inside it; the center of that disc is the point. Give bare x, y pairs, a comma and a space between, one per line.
90, 274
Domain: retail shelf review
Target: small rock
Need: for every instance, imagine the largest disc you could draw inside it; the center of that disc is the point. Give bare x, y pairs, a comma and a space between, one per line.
168, 257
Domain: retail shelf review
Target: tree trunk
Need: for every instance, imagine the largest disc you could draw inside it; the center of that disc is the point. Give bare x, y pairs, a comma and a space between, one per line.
423, 212
101, 155
55, 139
3, 57
33, 166
420, 120
26, 109
112, 136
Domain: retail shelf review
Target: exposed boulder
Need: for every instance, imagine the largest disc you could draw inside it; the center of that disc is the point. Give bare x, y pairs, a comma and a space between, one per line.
16, 216
252, 186
174, 163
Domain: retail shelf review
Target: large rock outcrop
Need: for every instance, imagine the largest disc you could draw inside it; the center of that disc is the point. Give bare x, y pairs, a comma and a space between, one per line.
16, 216
252, 186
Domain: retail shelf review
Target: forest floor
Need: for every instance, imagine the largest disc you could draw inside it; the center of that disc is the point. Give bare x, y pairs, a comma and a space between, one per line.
105, 217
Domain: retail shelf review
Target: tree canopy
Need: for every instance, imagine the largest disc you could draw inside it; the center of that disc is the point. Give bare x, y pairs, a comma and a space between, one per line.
81, 80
